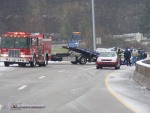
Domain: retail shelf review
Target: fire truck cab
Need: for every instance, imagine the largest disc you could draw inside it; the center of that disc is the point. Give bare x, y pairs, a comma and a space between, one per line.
25, 48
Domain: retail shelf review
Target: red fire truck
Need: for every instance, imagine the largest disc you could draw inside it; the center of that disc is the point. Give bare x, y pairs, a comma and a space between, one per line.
25, 48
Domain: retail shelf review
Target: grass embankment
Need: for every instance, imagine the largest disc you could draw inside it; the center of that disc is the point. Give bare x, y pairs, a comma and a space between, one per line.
59, 49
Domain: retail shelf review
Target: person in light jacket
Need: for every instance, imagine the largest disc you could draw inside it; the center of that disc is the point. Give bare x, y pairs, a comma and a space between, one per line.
134, 55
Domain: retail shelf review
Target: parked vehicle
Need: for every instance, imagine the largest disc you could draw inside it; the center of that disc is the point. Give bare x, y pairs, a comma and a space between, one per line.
34, 48
108, 59
75, 53
25, 48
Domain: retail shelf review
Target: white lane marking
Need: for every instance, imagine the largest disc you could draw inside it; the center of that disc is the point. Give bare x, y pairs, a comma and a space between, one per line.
22, 87
42, 77
1, 106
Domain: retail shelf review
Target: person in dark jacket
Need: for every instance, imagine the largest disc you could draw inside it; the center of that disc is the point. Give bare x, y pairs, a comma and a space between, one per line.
127, 56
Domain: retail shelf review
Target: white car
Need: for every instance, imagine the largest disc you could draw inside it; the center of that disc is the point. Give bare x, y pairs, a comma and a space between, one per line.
108, 59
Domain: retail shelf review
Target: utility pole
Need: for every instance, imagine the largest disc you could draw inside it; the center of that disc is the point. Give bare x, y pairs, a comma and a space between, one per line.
93, 21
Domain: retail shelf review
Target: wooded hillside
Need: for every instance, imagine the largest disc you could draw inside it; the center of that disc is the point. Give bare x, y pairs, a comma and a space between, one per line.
65, 16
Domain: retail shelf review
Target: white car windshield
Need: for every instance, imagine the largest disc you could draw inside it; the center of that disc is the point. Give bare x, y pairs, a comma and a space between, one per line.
107, 54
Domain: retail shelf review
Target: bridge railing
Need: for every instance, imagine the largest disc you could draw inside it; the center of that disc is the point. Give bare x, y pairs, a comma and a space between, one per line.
142, 73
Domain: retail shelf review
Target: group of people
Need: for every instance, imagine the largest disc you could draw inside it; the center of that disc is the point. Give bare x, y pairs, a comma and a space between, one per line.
135, 54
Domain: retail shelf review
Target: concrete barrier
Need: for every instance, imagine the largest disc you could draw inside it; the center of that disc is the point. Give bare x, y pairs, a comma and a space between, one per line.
142, 73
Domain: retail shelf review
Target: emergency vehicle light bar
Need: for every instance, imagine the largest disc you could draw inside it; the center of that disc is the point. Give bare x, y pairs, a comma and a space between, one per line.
23, 34
18, 33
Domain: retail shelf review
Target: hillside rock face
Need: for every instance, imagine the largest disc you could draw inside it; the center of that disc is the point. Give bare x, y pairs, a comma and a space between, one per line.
65, 16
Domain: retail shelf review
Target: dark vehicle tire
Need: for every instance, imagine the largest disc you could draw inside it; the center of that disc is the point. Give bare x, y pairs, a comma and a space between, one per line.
101, 67
22, 64
97, 67
6, 64
119, 66
33, 63
45, 61
74, 62
40, 65
83, 60
116, 67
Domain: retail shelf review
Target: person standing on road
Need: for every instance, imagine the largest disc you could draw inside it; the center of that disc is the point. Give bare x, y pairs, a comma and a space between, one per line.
127, 56
139, 54
134, 56
119, 55
142, 54
145, 55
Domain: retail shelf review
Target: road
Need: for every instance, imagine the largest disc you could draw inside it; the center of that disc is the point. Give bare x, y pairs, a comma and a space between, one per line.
67, 88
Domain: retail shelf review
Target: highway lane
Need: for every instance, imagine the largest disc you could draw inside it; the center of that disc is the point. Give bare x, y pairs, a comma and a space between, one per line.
62, 88
131, 94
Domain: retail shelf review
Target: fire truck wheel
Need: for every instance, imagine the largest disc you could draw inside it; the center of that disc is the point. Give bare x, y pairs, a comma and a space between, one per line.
83, 60
40, 65
45, 62
33, 63
6, 64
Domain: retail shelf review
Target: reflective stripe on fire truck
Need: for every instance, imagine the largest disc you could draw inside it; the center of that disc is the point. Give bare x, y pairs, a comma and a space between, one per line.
24, 60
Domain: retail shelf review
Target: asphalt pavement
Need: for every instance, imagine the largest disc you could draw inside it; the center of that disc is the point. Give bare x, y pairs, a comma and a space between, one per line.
65, 88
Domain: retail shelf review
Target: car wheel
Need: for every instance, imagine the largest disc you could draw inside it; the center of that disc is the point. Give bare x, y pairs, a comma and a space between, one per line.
45, 62
101, 67
33, 63
97, 67
116, 67
40, 65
